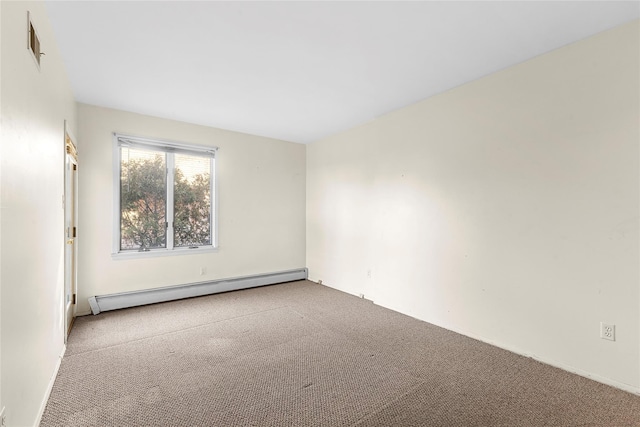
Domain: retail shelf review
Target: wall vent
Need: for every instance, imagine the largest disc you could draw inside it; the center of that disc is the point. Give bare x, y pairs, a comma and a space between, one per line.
33, 42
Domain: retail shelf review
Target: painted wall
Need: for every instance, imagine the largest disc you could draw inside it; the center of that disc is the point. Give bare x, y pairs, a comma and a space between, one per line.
506, 209
1, 404
34, 105
261, 194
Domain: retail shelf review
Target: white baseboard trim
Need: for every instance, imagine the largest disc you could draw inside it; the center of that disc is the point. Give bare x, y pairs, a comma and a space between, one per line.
52, 380
82, 313
100, 303
607, 381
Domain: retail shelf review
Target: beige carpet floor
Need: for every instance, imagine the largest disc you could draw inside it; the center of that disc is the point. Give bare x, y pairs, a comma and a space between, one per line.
301, 354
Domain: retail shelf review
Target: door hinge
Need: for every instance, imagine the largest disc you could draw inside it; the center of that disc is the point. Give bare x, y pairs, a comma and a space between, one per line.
73, 299
74, 232
75, 167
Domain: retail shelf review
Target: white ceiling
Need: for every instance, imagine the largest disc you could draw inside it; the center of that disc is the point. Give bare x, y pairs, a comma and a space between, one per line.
300, 71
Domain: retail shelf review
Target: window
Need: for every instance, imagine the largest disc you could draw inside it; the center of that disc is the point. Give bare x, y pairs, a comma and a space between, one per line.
164, 197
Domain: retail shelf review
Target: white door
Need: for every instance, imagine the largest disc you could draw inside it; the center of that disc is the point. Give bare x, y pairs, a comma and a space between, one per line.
70, 221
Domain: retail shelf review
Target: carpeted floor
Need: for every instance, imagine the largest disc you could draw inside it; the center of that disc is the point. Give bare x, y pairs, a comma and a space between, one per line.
301, 354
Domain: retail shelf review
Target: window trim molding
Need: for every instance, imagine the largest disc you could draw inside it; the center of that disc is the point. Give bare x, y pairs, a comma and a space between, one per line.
167, 146
163, 144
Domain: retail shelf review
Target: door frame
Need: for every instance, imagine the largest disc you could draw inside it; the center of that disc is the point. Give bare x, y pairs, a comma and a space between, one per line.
70, 203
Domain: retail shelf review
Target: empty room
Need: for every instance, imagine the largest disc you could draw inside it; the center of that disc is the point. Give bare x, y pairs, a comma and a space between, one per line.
322, 213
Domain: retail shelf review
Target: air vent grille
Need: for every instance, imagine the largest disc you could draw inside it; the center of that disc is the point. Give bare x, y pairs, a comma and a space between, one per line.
33, 41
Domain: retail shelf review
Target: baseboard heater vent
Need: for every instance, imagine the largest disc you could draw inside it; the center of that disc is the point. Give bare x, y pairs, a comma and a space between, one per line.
101, 303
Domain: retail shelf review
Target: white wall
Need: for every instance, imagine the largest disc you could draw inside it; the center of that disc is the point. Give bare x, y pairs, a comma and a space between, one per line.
261, 190
506, 209
34, 105
1, 404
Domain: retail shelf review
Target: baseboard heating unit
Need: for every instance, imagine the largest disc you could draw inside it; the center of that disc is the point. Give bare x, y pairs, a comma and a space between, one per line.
100, 303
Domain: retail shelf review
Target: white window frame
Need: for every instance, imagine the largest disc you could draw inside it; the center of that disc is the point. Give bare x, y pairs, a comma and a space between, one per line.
120, 140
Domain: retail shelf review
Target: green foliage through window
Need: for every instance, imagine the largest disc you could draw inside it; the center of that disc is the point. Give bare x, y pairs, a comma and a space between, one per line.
192, 201
148, 219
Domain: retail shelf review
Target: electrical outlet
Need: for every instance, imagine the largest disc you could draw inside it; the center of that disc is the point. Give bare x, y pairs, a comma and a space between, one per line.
203, 271
607, 331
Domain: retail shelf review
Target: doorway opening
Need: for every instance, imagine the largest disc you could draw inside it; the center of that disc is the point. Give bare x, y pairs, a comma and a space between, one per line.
70, 230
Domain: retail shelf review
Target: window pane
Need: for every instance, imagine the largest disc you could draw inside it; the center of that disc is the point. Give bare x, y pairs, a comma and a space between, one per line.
192, 201
143, 199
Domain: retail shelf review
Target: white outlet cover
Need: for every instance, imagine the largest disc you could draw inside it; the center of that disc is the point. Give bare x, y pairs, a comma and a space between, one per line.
607, 331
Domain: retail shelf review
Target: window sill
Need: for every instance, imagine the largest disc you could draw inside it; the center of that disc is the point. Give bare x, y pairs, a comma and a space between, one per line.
154, 253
